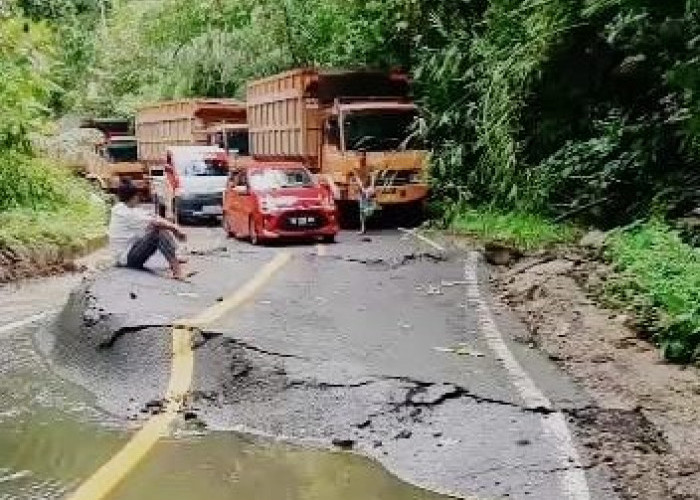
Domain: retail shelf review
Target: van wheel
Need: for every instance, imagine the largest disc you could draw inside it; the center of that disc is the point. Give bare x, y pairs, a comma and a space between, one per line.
253, 232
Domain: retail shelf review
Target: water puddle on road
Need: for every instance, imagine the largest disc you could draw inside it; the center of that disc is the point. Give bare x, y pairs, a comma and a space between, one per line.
52, 438
225, 466
44, 454
47, 457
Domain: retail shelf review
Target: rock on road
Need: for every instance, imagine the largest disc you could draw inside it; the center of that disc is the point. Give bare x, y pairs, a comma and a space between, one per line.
381, 345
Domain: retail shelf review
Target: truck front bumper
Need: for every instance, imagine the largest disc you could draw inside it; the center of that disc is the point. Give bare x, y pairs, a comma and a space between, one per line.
396, 195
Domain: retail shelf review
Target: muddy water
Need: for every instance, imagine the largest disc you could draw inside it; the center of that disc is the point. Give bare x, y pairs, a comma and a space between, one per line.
52, 437
225, 466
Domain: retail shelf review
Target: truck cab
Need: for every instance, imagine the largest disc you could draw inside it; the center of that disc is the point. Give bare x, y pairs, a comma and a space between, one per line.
375, 141
233, 139
115, 156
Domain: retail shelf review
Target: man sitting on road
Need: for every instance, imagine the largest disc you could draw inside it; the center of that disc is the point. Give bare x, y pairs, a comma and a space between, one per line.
135, 234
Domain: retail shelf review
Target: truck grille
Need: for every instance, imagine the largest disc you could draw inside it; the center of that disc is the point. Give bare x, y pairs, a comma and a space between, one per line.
393, 178
303, 221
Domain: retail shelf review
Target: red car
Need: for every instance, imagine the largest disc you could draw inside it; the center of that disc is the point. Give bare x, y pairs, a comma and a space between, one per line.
278, 201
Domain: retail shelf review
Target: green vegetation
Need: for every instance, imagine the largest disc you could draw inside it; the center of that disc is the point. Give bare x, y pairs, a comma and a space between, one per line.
523, 231
659, 280
40, 203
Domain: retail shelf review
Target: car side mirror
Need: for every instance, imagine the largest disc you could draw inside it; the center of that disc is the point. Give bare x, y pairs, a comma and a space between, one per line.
241, 190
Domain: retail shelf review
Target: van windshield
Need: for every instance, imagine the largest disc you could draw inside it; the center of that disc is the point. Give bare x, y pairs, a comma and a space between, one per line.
264, 180
205, 168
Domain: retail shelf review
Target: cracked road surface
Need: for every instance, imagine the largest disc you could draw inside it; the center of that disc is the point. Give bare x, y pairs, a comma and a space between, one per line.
378, 345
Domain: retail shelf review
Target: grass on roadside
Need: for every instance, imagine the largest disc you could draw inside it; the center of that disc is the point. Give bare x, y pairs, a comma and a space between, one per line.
659, 280
524, 231
67, 227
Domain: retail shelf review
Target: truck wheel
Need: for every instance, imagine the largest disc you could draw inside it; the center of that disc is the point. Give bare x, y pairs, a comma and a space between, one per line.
253, 232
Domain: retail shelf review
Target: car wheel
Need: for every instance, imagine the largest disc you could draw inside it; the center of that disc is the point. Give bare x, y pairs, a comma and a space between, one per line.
253, 232
227, 227
329, 238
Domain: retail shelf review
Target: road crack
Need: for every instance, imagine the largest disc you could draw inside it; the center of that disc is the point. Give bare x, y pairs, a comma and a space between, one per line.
125, 330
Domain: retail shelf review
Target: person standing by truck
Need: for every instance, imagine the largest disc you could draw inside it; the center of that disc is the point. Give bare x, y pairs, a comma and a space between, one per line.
367, 201
135, 235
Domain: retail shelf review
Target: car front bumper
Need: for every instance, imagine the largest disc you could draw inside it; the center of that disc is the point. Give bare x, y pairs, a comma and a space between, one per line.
200, 206
299, 224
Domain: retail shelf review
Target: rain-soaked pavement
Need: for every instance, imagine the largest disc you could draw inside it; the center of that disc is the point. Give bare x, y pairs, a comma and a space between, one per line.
377, 345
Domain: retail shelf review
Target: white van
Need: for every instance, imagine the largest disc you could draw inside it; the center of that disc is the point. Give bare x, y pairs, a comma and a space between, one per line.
191, 184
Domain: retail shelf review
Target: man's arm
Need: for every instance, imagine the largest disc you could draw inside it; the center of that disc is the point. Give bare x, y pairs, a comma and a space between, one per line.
161, 223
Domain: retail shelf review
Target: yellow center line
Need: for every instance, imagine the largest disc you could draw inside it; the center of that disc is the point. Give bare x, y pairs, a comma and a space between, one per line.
107, 477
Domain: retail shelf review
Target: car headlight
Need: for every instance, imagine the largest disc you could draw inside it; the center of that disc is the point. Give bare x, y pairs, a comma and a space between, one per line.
268, 205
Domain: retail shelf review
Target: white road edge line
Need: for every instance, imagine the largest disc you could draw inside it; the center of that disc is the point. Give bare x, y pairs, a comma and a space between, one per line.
424, 239
24, 322
573, 477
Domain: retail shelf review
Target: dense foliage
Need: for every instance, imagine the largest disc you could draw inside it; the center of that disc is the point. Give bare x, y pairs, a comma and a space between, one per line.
33, 188
660, 281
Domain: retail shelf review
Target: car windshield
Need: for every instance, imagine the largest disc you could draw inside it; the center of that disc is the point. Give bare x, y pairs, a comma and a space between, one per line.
264, 180
205, 168
385, 131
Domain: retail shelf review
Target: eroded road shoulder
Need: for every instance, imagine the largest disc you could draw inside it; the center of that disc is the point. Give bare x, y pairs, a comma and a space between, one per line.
371, 345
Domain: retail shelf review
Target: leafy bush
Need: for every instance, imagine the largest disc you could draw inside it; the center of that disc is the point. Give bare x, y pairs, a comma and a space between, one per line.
659, 279
30, 182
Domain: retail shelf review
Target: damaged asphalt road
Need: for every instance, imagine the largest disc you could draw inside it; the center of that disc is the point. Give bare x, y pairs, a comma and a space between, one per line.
370, 346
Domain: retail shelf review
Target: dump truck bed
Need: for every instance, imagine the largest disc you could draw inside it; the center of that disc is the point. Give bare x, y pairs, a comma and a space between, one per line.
182, 123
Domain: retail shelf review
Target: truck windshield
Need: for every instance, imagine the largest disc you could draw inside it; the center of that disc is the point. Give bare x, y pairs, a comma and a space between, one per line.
379, 131
121, 153
238, 141
205, 168
264, 180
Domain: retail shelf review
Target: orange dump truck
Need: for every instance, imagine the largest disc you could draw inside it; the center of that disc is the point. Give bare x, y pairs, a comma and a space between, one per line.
114, 157
191, 122
342, 125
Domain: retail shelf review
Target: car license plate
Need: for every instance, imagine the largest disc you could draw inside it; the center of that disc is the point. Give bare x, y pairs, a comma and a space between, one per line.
303, 221
212, 210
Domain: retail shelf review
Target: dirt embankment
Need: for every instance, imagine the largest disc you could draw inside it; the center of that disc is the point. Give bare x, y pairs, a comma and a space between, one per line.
22, 263
645, 423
